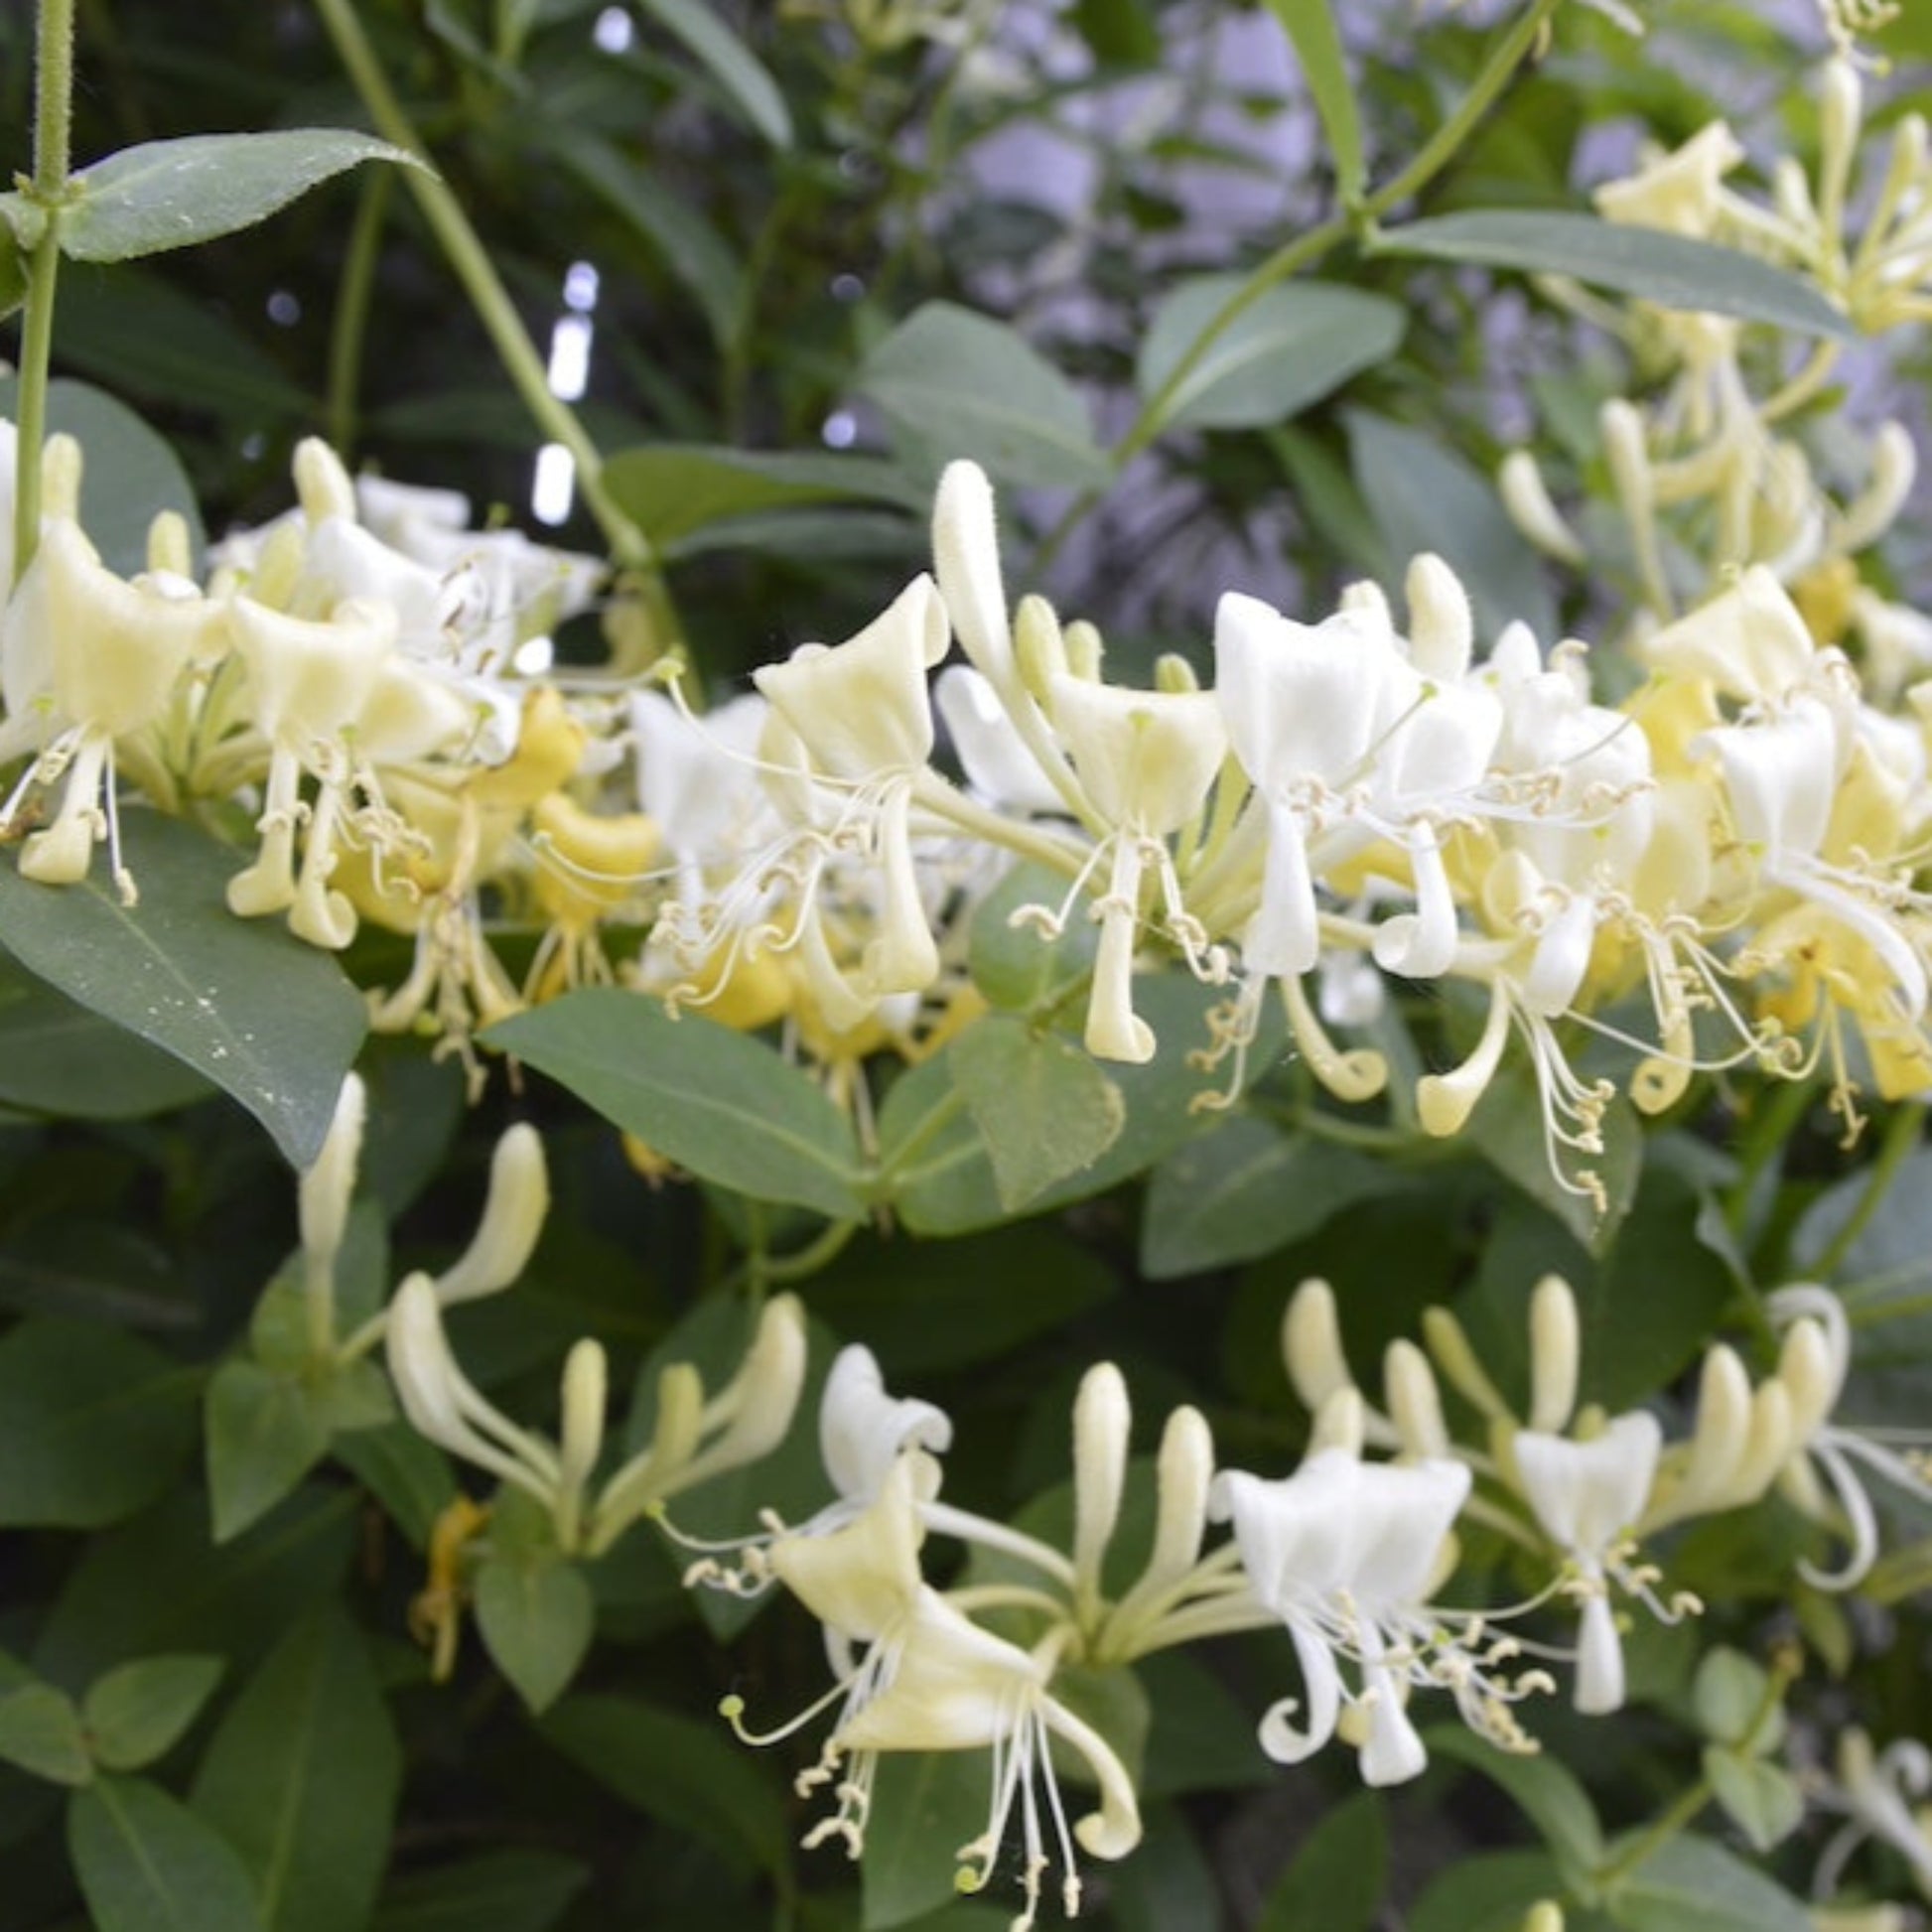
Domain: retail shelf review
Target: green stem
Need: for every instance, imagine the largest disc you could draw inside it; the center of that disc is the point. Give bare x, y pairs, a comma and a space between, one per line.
466, 255
1510, 53
1903, 1135
53, 131
350, 328
1766, 1132
1648, 1844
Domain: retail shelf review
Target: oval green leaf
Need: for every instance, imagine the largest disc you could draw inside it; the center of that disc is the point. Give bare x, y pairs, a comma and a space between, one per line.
266, 1019
147, 1864
303, 1778
1288, 349
139, 1710
726, 1106
1673, 271
966, 385
167, 195
93, 1424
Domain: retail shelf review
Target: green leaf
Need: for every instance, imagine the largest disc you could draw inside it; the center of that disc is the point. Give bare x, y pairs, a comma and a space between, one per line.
1044, 1105
694, 1777
93, 1424
970, 386
1311, 27
303, 1778
738, 72
1017, 966
1336, 1878
1732, 1697
1200, 1735
80, 1262
537, 1615
1244, 1189
1426, 498
1547, 1792
56, 1057
1492, 1892
139, 1711
1118, 32
499, 1891
936, 1158
159, 1584
671, 489
133, 327
146, 1863
727, 1106
268, 1020
12, 272
41, 1732
1762, 1800
265, 1432
1691, 1884
1674, 271
167, 195
929, 1309
131, 473
924, 1806
1288, 349
408, 1477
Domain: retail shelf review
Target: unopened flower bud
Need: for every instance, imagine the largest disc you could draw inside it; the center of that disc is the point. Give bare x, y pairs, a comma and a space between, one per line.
1037, 647
1806, 1371
1450, 1347
1312, 1344
1441, 623
1084, 650
1102, 1419
169, 550
586, 1389
1553, 1354
322, 484
324, 1193
1415, 1402
1173, 672
1533, 511
512, 1220
966, 560
1876, 507
60, 467
1340, 1423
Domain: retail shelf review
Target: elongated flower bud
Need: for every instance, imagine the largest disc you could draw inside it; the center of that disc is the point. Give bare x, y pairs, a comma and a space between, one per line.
1102, 1419
514, 1213
1552, 1353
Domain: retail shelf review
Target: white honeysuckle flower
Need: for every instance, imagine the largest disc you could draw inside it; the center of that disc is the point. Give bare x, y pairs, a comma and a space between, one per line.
1303, 704
1587, 1498
1750, 640
1783, 777
308, 682
1880, 1794
999, 768
1820, 1475
1679, 192
860, 708
693, 1441
1145, 760
1343, 1551
88, 657
915, 1673
864, 1433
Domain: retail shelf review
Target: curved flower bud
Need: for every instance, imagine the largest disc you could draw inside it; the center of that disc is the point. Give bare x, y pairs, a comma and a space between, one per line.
512, 1220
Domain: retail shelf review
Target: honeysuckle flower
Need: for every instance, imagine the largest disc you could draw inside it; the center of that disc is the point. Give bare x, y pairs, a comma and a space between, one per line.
1344, 1552
864, 1433
692, 1440
88, 659
1678, 191
1820, 1473
915, 1673
1145, 760
1880, 1794
1586, 1496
